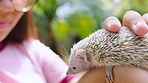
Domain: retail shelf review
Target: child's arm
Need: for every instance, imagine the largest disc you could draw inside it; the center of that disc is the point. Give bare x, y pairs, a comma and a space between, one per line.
122, 74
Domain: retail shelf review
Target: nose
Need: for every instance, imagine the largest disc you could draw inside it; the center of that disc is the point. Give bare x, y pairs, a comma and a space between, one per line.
67, 73
6, 6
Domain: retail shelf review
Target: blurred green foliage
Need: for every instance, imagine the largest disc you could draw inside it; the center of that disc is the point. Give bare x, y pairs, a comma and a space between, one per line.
85, 17
46, 8
77, 24
141, 6
72, 20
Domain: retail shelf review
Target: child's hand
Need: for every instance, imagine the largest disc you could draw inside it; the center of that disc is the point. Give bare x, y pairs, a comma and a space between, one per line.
131, 19
139, 25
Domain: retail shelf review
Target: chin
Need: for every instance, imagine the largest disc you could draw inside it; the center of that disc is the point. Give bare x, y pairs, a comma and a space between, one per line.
2, 37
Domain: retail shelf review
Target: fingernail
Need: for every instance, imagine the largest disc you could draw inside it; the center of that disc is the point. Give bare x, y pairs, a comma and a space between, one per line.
139, 25
111, 22
114, 26
140, 28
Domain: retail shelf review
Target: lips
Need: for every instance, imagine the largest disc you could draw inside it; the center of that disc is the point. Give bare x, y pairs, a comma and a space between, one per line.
4, 23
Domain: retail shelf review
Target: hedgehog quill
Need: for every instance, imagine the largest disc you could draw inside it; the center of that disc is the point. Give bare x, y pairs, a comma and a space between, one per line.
109, 49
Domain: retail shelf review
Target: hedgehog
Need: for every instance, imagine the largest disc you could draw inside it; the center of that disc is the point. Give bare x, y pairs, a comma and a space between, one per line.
109, 49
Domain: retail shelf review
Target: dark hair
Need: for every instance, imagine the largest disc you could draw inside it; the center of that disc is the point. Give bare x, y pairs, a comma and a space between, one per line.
24, 29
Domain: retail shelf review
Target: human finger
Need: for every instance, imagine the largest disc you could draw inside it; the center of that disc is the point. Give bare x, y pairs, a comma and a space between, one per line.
145, 17
135, 21
112, 24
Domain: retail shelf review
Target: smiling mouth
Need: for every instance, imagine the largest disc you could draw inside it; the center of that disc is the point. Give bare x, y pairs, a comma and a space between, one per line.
4, 24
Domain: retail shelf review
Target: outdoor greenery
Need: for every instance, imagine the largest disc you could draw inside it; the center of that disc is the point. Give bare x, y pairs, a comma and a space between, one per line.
61, 23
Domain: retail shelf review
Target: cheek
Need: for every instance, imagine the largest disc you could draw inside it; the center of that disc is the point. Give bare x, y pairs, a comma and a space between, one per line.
84, 66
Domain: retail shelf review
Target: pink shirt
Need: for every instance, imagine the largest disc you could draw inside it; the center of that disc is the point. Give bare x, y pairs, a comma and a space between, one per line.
30, 62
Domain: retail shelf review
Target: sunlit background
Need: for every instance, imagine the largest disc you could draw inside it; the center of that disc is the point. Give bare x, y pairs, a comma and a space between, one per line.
60, 23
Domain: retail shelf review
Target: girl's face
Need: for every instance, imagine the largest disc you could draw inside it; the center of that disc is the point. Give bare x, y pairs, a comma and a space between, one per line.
8, 18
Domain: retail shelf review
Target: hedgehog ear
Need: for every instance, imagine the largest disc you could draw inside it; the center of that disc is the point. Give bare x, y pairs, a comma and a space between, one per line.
88, 57
83, 55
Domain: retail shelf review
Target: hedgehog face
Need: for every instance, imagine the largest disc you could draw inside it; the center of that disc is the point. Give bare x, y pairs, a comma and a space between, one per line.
79, 62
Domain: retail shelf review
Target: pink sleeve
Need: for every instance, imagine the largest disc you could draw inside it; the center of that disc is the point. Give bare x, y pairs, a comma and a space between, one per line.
67, 78
53, 67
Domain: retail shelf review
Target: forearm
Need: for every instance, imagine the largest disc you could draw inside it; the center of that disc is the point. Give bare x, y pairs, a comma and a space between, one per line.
93, 76
122, 74
126, 74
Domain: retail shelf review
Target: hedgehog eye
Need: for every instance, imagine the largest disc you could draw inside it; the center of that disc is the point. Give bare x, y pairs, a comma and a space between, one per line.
74, 68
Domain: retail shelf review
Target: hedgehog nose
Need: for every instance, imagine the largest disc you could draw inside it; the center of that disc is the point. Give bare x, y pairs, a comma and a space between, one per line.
67, 73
